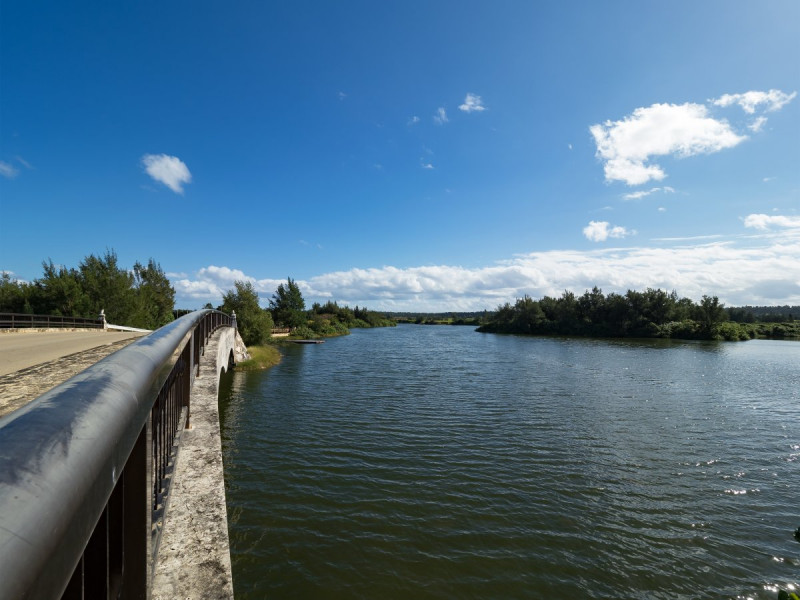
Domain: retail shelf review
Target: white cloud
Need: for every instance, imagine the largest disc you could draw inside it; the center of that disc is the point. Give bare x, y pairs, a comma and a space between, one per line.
638, 195
766, 222
758, 124
169, 170
7, 170
750, 101
764, 272
472, 103
222, 274
690, 238
210, 283
662, 209
600, 231
440, 118
342, 95
642, 193
428, 166
413, 120
681, 130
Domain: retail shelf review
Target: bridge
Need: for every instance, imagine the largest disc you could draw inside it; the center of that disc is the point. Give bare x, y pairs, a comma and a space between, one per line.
111, 483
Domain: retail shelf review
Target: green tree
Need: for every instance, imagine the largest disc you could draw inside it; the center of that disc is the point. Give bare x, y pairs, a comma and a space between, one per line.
155, 296
710, 313
108, 287
13, 294
59, 292
287, 305
254, 323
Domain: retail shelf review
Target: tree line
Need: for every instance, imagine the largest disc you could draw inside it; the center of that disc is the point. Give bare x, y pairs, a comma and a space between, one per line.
764, 314
138, 297
144, 297
287, 309
652, 313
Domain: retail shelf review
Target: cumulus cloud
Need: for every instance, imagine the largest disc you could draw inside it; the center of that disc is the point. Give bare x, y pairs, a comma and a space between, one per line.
210, 283
767, 222
739, 274
627, 146
169, 170
472, 103
440, 118
750, 101
7, 170
600, 231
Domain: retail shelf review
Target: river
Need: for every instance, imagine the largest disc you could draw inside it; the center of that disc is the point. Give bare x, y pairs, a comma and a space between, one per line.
437, 462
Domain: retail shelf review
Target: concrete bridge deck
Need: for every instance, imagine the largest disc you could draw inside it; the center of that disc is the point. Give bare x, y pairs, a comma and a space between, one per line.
22, 349
33, 361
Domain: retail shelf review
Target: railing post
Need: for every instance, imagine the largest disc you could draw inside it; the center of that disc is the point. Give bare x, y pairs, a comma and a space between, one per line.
186, 382
233, 321
136, 532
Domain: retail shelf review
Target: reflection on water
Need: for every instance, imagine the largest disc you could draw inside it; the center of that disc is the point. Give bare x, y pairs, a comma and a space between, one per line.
435, 462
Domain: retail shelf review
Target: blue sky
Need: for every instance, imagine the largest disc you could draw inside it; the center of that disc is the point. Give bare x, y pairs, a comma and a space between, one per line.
407, 155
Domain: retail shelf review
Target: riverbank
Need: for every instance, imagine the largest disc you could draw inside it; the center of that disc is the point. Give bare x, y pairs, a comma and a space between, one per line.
261, 357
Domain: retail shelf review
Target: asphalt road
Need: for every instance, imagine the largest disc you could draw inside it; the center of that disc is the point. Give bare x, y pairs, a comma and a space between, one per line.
22, 350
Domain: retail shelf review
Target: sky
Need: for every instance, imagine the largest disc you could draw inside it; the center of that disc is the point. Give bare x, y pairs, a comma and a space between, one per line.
407, 156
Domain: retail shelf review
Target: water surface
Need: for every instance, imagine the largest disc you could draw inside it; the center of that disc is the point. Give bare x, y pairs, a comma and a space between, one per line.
436, 462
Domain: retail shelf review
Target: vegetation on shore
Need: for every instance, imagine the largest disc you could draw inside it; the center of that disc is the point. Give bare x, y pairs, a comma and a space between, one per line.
789, 330
449, 318
261, 357
287, 310
648, 314
330, 319
254, 323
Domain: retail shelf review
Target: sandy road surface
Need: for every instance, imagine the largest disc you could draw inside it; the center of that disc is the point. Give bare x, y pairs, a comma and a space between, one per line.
26, 349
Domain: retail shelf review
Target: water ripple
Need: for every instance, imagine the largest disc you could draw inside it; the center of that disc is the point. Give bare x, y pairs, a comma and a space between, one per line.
439, 463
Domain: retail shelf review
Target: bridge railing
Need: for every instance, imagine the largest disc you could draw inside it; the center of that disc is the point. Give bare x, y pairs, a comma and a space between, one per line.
25, 321
85, 469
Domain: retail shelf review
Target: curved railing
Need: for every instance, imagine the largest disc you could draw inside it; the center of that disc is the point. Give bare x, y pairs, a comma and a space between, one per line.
85, 468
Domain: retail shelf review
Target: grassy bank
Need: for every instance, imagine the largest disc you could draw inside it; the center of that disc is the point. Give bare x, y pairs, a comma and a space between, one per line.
261, 357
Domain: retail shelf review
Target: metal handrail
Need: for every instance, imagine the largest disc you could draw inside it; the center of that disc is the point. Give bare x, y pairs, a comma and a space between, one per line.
64, 454
25, 321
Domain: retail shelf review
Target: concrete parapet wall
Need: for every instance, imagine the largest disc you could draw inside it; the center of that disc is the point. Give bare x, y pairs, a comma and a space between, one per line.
194, 555
240, 350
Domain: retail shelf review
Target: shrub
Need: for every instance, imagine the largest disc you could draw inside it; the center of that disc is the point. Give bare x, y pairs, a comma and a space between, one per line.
304, 332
